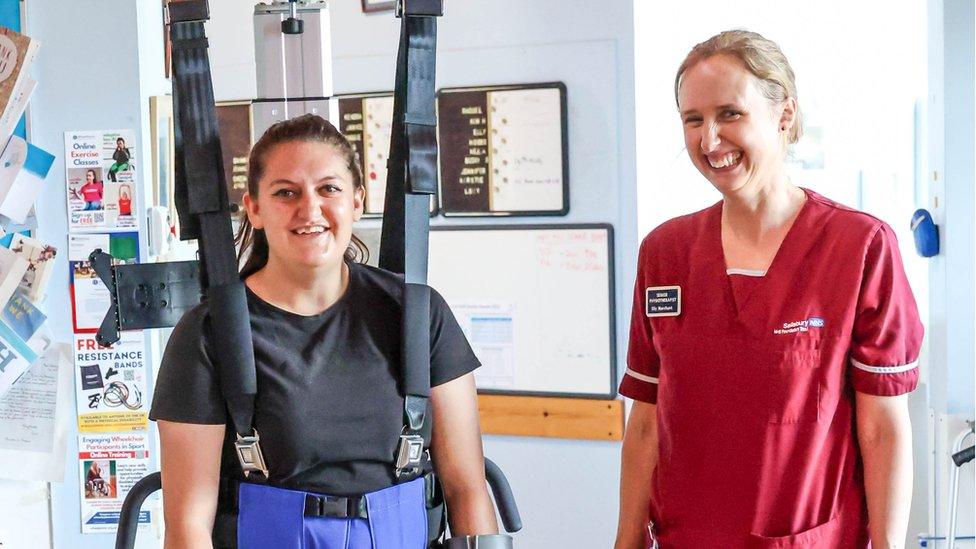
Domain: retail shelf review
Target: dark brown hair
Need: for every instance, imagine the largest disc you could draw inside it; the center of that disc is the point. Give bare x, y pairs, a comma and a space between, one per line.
252, 242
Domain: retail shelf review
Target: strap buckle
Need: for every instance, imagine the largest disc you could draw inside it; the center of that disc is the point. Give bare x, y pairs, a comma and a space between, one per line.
410, 454
249, 454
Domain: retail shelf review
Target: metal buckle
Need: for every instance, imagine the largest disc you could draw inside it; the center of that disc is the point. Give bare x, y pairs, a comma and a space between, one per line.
249, 454
410, 453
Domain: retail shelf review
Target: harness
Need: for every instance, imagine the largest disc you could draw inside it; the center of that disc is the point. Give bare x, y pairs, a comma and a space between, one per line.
157, 295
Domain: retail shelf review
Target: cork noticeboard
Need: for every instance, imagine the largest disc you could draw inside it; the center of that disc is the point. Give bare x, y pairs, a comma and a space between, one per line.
503, 150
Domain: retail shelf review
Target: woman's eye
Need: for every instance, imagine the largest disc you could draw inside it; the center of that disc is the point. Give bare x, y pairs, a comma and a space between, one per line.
284, 193
730, 114
330, 189
692, 121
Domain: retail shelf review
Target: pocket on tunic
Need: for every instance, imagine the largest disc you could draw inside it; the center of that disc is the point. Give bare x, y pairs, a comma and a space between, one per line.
794, 386
822, 535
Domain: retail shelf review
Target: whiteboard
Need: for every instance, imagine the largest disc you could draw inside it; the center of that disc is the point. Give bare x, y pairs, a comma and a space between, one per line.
536, 303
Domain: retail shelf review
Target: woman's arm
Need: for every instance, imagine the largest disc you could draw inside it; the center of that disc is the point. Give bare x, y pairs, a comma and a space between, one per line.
191, 475
459, 458
637, 462
885, 437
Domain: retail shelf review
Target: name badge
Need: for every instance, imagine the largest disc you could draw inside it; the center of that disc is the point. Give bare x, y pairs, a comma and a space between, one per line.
663, 301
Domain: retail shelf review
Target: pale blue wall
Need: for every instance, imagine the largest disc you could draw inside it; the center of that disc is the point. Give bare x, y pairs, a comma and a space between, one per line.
90, 76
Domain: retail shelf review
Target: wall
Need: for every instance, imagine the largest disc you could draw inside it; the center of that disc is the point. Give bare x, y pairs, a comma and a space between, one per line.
98, 63
567, 490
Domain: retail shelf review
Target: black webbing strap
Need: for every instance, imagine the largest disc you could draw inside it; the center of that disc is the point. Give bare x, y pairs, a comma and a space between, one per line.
411, 179
201, 201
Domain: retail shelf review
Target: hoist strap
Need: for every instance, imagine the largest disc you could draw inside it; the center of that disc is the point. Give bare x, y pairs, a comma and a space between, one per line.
201, 201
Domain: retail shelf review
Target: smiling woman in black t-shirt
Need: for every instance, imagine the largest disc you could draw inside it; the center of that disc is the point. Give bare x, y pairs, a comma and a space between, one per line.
326, 336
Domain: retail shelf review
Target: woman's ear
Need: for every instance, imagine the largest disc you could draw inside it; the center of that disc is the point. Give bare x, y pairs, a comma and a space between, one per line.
359, 202
788, 115
252, 210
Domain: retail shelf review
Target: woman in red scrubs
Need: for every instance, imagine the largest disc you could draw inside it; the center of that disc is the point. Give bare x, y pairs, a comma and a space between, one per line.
773, 339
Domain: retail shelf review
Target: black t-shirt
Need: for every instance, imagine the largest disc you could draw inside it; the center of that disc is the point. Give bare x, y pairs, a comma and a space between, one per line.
329, 409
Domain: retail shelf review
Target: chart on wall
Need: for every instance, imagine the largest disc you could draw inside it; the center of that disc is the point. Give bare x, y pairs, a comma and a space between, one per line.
503, 150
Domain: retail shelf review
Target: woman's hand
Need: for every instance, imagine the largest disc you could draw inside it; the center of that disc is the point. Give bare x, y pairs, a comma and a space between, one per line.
459, 457
638, 460
884, 433
191, 478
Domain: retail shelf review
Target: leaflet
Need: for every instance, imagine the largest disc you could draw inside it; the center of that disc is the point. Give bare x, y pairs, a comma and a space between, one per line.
110, 384
109, 465
101, 180
490, 329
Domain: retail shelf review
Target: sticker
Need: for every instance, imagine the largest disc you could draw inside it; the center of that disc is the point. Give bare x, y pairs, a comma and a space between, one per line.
663, 301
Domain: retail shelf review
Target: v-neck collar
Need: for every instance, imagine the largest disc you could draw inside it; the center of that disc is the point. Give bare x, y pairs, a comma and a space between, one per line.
787, 254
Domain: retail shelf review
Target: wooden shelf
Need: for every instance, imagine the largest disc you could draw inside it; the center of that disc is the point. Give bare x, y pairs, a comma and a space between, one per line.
576, 418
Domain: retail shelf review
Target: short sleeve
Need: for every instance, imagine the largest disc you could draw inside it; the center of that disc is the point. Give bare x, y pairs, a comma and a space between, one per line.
643, 364
887, 333
186, 388
450, 353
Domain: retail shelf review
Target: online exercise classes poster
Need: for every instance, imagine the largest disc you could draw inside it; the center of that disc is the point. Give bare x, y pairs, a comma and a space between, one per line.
100, 167
90, 299
108, 466
110, 384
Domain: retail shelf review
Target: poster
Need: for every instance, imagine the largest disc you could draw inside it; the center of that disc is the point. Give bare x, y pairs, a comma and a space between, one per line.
101, 180
110, 384
108, 466
34, 417
90, 299
490, 329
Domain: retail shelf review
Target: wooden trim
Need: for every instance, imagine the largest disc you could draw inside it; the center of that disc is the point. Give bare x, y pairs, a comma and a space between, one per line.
575, 418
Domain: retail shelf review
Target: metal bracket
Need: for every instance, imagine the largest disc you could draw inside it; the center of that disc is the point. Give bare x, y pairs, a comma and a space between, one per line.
146, 295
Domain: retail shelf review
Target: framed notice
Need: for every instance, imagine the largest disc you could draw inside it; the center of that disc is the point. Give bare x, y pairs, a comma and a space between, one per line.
234, 124
503, 150
367, 122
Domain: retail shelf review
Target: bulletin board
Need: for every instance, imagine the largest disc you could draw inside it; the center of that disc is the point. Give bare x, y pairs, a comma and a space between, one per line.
536, 303
503, 150
366, 119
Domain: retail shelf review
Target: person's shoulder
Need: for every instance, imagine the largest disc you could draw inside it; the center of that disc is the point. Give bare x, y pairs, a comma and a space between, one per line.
377, 281
191, 324
851, 223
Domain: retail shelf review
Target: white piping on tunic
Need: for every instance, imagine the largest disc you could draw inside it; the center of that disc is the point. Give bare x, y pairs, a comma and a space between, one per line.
884, 369
641, 377
746, 272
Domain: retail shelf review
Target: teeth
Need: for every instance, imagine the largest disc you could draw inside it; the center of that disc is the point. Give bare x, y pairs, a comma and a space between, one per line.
310, 230
727, 160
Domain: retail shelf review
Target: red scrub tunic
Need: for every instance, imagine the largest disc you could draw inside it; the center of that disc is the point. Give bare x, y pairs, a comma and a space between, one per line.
754, 376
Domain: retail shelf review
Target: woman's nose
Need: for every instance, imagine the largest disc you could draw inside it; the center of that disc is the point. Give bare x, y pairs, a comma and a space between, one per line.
311, 206
709, 137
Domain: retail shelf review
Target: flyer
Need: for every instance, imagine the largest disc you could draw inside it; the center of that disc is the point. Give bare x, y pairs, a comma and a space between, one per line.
110, 384
108, 466
90, 299
101, 180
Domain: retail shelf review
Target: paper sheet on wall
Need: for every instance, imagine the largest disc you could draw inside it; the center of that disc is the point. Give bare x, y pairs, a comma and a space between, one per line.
34, 419
526, 149
108, 466
90, 299
110, 384
100, 167
490, 329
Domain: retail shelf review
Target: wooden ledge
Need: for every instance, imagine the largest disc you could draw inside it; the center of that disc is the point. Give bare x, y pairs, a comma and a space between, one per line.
576, 418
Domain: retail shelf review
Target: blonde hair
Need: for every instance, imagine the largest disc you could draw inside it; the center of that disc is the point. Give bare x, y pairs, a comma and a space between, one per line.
761, 57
